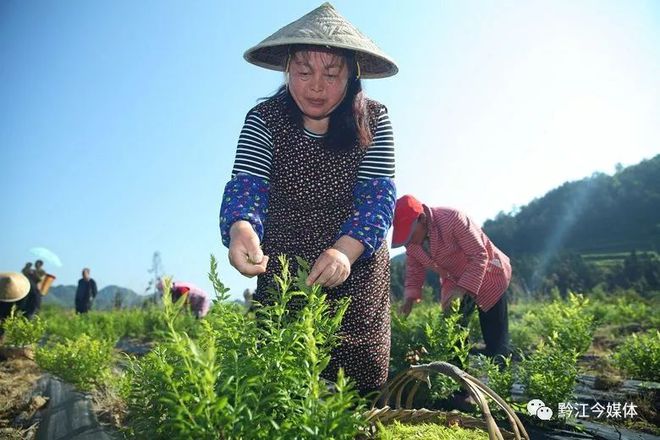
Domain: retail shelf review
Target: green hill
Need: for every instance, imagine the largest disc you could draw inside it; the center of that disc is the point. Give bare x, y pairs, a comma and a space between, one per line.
64, 296
601, 230
598, 214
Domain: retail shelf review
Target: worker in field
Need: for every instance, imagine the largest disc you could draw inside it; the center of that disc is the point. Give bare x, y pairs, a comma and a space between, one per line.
469, 265
196, 299
14, 289
313, 177
86, 292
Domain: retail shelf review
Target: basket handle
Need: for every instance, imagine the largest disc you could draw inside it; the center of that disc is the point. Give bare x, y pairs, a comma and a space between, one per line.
477, 389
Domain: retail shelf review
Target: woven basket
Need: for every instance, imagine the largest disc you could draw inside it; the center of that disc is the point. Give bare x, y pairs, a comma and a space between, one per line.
409, 381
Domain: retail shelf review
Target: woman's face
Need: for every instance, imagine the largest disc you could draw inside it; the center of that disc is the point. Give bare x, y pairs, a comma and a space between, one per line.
317, 82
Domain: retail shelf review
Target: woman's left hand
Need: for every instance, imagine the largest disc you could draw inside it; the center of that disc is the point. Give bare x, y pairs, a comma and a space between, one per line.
330, 269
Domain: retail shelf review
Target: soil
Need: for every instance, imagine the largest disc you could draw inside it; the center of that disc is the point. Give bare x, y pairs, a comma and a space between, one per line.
17, 407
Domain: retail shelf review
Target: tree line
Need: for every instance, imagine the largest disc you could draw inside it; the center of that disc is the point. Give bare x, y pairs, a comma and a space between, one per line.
599, 231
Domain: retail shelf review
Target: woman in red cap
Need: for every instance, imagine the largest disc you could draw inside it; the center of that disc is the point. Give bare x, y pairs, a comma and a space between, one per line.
451, 244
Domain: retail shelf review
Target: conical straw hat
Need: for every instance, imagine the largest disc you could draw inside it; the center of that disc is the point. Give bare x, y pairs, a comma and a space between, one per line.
13, 286
324, 26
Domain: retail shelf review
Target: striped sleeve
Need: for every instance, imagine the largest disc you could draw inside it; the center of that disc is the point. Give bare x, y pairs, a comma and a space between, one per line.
379, 159
254, 154
468, 237
415, 274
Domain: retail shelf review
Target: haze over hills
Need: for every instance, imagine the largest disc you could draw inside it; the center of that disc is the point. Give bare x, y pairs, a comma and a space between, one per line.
64, 296
601, 213
600, 230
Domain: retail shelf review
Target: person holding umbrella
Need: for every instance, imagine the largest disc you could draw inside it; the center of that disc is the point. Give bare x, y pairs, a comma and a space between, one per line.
42, 278
313, 177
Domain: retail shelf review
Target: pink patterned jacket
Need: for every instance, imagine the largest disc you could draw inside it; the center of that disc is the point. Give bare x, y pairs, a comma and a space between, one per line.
462, 255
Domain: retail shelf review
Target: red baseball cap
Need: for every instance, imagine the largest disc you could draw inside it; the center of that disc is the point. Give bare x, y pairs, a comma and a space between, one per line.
407, 211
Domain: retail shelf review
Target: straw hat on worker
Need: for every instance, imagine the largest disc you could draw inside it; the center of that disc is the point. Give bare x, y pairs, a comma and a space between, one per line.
14, 286
323, 26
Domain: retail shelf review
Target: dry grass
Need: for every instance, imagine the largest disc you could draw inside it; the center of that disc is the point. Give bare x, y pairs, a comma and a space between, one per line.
17, 379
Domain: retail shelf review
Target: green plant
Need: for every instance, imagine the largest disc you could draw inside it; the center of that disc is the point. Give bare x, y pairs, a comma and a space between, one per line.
84, 362
522, 333
245, 377
549, 373
146, 323
428, 335
639, 356
428, 431
20, 331
569, 320
500, 377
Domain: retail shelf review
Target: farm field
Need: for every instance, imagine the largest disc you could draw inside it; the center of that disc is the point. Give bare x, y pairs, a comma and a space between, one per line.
159, 373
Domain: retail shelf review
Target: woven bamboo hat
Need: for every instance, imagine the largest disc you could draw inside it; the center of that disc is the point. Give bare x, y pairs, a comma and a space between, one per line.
13, 286
324, 26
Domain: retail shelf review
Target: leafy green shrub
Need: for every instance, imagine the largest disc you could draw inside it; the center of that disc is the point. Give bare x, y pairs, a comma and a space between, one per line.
639, 356
84, 362
96, 325
549, 373
568, 322
245, 377
500, 378
20, 331
137, 323
523, 334
428, 335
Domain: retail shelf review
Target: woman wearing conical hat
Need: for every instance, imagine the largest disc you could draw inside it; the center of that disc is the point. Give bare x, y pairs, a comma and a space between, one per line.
14, 288
313, 177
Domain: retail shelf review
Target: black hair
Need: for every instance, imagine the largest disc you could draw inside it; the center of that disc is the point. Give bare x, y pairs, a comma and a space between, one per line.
349, 121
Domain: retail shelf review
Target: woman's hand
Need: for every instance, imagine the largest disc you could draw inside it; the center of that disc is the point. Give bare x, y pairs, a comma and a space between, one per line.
407, 306
330, 269
333, 266
245, 254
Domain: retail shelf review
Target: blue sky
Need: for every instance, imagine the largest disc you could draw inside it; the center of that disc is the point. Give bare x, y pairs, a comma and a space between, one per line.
119, 120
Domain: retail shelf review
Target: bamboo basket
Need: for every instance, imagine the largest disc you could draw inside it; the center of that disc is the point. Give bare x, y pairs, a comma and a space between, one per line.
409, 381
45, 284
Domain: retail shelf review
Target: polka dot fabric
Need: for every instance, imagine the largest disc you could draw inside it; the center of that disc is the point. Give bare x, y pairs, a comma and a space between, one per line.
311, 197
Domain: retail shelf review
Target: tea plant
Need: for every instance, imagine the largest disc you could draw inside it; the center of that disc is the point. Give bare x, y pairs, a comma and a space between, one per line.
146, 323
639, 356
428, 335
568, 322
500, 377
549, 373
244, 377
625, 308
84, 362
20, 331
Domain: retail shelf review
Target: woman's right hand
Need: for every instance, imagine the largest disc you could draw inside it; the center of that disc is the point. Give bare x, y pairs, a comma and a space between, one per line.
407, 306
245, 254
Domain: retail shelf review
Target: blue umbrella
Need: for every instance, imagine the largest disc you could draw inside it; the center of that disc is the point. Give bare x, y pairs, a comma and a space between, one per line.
46, 255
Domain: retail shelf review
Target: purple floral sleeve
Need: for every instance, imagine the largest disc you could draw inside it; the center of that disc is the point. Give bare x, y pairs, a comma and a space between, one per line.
245, 198
373, 204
